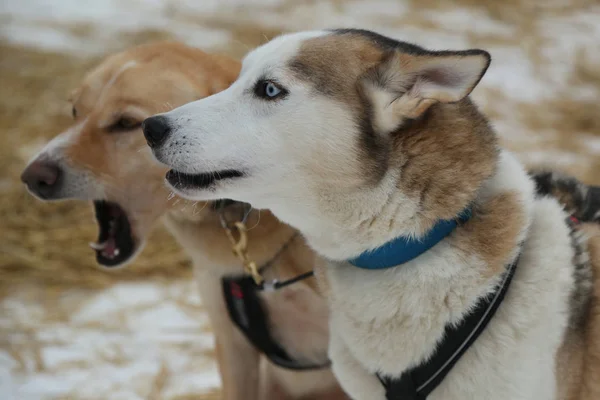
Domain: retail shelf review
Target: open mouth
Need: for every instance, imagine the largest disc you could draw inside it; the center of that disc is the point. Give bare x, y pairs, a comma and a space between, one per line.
180, 180
115, 241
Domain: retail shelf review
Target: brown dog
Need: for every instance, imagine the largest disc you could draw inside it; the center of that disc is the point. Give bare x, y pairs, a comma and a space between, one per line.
103, 159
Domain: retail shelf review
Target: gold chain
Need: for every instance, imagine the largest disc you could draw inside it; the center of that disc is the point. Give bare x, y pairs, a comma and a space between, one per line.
240, 250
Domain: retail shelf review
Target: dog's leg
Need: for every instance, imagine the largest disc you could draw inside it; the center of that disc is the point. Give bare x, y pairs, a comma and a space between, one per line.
353, 377
238, 360
237, 364
271, 388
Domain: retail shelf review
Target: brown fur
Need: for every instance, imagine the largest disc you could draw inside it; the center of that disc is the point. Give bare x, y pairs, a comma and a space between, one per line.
429, 168
177, 63
159, 77
332, 66
578, 361
343, 65
492, 232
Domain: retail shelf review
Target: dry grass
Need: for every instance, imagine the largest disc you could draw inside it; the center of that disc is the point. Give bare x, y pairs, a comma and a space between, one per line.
567, 112
570, 115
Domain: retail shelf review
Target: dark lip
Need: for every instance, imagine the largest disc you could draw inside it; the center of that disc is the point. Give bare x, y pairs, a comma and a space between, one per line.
105, 213
181, 180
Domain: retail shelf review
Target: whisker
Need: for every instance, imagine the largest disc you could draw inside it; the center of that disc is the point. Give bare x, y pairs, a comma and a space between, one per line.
257, 221
248, 48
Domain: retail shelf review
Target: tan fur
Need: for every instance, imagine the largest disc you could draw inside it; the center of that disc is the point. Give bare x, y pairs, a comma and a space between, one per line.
430, 169
492, 232
578, 361
319, 60
152, 78
331, 66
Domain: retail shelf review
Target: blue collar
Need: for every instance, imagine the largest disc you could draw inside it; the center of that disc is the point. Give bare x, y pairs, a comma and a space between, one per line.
403, 249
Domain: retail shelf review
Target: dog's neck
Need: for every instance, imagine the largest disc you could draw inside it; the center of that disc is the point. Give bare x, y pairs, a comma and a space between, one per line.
439, 286
341, 226
344, 226
198, 229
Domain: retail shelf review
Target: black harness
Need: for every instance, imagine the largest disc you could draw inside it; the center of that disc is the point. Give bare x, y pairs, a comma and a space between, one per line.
418, 382
247, 311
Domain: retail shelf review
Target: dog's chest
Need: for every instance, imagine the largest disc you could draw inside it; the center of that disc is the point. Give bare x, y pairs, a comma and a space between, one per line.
391, 320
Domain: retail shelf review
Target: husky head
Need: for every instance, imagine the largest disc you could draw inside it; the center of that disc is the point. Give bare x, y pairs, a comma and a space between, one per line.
350, 136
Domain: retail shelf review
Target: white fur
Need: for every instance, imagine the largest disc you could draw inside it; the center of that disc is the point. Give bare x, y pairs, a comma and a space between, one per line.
392, 319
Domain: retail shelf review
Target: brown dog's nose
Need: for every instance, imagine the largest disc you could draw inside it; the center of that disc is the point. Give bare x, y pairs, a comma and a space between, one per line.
156, 129
42, 177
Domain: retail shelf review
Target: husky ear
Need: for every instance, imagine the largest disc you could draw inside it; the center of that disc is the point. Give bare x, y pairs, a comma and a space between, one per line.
404, 86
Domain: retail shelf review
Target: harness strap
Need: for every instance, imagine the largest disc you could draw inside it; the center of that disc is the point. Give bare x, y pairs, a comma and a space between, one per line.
418, 382
271, 286
247, 311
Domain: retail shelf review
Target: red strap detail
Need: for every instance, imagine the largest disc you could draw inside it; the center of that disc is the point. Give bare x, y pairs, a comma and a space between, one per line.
236, 291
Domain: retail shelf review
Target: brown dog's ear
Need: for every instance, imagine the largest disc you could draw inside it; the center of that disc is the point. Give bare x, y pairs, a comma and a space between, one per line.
72, 99
405, 85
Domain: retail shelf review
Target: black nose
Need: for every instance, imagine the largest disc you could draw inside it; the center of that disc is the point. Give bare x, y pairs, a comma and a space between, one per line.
156, 129
42, 178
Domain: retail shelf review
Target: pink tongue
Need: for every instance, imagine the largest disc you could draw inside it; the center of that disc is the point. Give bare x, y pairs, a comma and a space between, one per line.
109, 249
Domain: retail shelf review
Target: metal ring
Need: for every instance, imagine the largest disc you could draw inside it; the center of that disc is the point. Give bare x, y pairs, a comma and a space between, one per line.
226, 224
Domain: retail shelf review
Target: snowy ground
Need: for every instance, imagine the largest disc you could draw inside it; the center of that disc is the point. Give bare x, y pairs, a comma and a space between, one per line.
132, 341
151, 340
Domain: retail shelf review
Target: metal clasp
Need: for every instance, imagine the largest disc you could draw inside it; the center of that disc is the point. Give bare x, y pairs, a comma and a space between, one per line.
240, 246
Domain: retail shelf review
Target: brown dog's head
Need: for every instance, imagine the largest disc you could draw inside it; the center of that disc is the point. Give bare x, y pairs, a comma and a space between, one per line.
103, 157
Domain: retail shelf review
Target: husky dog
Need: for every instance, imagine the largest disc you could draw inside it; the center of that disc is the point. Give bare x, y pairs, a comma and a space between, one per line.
362, 142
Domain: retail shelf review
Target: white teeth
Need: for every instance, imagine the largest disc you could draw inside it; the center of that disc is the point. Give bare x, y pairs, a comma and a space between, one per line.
98, 246
116, 252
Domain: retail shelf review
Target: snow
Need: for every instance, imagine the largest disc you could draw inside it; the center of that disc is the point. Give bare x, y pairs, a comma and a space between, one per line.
41, 23
113, 341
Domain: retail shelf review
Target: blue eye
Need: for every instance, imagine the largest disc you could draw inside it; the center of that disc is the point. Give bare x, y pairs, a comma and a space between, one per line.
269, 90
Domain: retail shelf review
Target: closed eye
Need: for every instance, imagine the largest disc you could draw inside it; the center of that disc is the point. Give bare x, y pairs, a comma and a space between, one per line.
269, 90
124, 124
